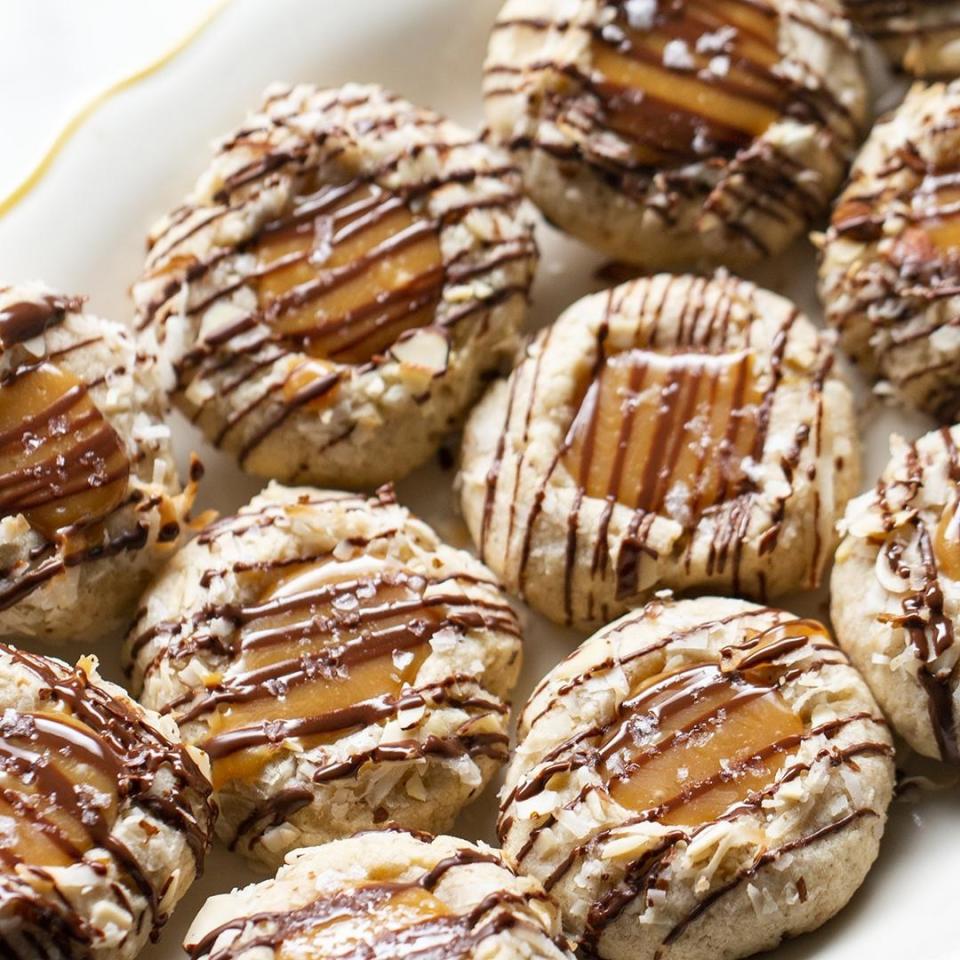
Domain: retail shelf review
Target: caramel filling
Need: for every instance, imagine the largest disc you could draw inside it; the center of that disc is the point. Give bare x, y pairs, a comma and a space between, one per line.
61, 463
703, 71
317, 647
656, 431
695, 742
348, 270
933, 228
58, 790
370, 915
939, 208
946, 542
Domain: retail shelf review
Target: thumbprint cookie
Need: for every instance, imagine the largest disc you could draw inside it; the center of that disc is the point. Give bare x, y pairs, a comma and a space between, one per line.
672, 133
105, 815
341, 667
921, 36
890, 260
391, 897
896, 591
673, 432
339, 284
700, 779
90, 503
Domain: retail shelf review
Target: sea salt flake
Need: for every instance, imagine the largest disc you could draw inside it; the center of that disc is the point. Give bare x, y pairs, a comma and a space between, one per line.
677, 56
640, 13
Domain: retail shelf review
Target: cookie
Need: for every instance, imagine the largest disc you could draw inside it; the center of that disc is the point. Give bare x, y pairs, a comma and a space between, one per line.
672, 432
699, 779
90, 502
677, 134
921, 36
106, 815
389, 896
338, 284
340, 665
895, 591
890, 260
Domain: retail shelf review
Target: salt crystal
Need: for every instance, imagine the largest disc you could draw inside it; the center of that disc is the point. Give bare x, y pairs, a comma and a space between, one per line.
677, 56
640, 13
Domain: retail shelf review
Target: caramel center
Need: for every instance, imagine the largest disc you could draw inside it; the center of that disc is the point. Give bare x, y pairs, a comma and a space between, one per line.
370, 915
694, 742
656, 431
61, 462
348, 270
946, 542
58, 789
313, 651
698, 81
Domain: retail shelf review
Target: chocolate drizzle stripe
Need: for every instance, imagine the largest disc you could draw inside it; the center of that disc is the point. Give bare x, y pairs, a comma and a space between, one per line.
929, 628
446, 935
112, 740
765, 859
241, 344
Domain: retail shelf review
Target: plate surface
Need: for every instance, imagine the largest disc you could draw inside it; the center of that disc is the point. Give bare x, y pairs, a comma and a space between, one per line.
82, 228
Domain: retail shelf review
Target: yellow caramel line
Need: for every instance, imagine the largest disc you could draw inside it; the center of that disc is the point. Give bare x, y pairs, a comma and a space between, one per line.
84, 113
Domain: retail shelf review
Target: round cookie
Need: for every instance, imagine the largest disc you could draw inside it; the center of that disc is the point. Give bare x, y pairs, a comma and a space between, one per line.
106, 815
391, 896
895, 591
340, 665
699, 779
673, 432
90, 503
681, 133
339, 283
890, 261
922, 36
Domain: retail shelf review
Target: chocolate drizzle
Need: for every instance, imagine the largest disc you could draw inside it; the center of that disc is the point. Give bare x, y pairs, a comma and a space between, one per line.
677, 108
31, 318
318, 653
905, 208
664, 427
344, 269
62, 464
67, 771
386, 919
896, 23
704, 743
912, 556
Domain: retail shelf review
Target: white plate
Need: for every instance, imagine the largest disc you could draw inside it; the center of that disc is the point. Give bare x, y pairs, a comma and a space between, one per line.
82, 229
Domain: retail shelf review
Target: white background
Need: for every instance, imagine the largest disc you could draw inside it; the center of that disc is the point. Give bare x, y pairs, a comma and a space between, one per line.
82, 230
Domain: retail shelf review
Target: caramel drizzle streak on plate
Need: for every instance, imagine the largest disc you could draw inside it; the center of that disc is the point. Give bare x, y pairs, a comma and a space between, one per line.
387, 918
928, 626
671, 117
340, 275
64, 773
646, 760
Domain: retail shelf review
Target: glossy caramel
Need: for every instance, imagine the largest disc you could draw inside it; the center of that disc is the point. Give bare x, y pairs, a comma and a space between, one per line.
666, 110
695, 742
946, 542
348, 270
58, 790
651, 425
61, 462
361, 637
376, 914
